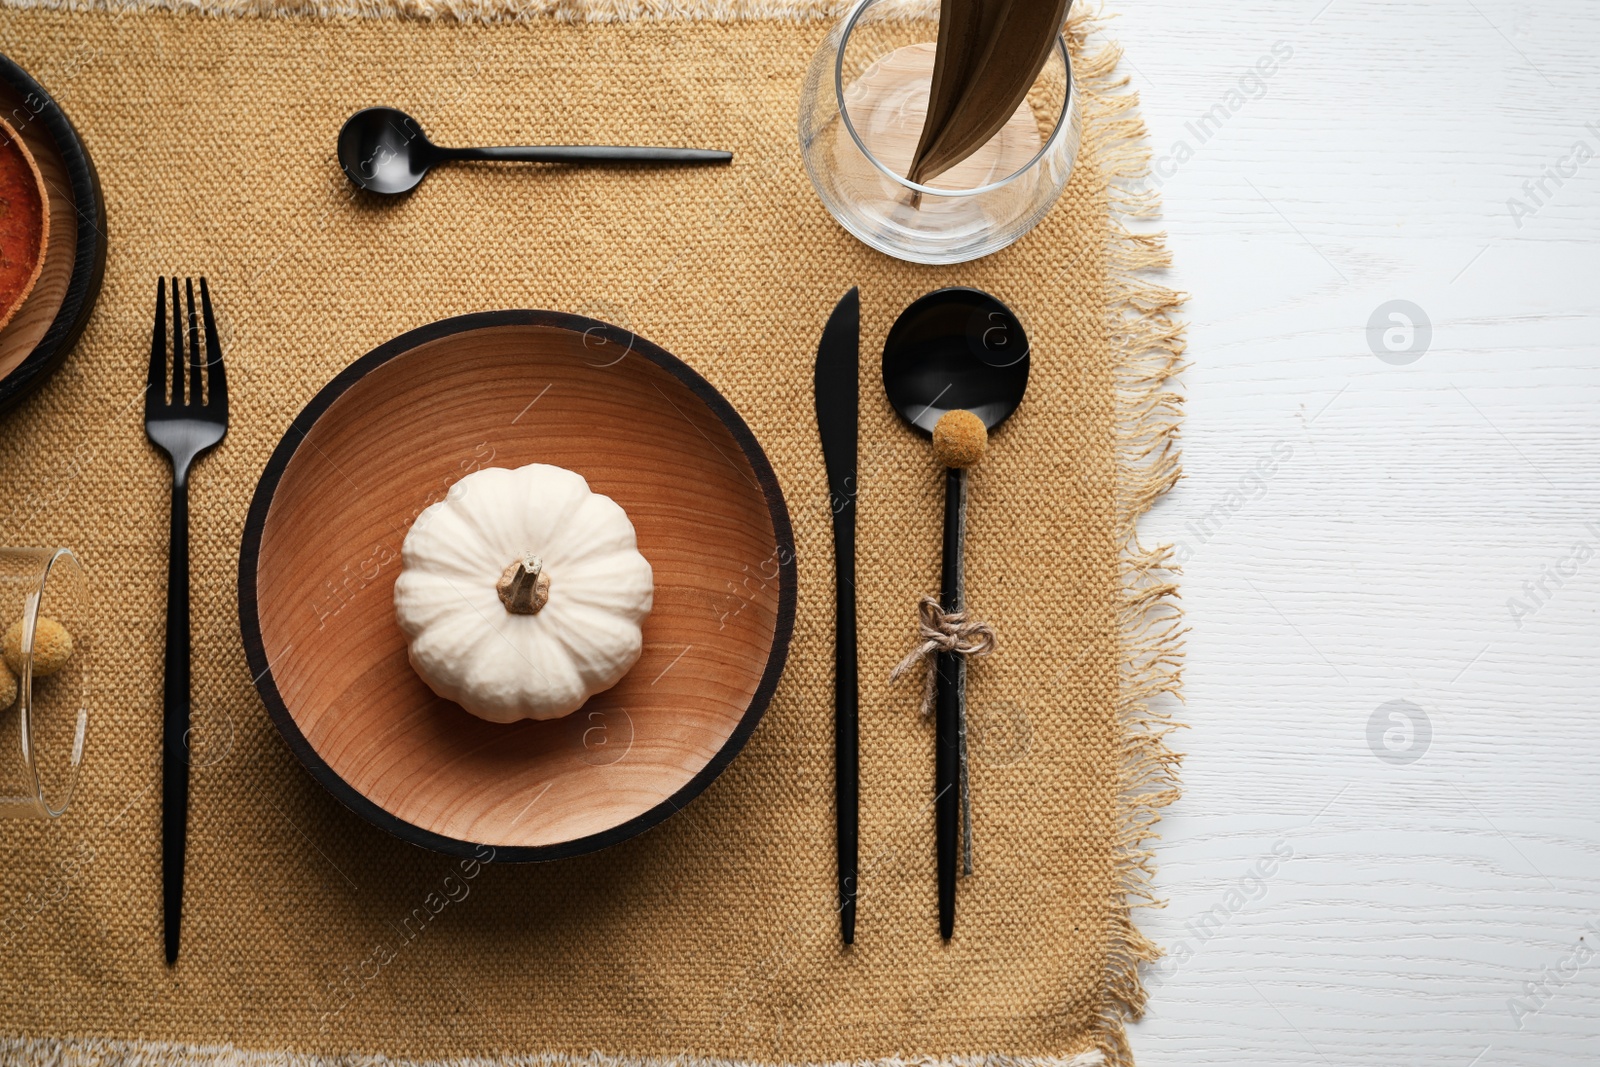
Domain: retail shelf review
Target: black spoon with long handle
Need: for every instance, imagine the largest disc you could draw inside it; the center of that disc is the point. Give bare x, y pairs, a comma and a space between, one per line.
951, 350
383, 150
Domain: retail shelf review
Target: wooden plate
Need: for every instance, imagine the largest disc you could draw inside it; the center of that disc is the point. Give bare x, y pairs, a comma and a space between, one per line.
385, 439
24, 222
41, 333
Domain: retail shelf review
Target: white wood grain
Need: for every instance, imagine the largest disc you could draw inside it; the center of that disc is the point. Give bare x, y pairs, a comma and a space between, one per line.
1373, 556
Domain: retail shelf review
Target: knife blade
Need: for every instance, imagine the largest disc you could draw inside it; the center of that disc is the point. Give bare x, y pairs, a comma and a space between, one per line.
837, 394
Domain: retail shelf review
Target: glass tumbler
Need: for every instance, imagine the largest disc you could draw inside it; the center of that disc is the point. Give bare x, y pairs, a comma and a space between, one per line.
44, 687
861, 112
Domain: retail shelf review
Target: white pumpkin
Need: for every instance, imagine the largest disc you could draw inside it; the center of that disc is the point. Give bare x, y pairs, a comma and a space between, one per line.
522, 592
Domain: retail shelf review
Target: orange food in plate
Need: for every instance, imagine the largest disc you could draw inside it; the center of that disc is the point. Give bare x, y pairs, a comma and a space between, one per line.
24, 222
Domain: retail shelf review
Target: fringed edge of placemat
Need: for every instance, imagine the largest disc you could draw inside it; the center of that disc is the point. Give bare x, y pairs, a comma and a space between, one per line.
1142, 318
484, 10
104, 1052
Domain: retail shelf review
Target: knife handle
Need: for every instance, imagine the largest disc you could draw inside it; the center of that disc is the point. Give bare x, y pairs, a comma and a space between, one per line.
846, 737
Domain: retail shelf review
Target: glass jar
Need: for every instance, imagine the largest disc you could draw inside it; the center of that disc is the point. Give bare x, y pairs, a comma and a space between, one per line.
44, 698
861, 112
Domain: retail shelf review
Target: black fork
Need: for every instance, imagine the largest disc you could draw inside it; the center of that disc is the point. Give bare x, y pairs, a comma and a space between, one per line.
185, 418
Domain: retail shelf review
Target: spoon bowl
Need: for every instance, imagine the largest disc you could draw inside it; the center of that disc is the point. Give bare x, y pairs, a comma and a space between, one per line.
383, 150
951, 349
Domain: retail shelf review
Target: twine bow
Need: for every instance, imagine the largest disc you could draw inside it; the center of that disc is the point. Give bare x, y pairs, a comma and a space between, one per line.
948, 631
943, 631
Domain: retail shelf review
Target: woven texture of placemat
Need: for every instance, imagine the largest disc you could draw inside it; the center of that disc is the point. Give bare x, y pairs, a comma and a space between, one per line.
712, 936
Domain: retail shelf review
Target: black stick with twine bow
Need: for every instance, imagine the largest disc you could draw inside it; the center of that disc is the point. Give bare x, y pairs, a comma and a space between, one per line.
955, 633
955, 366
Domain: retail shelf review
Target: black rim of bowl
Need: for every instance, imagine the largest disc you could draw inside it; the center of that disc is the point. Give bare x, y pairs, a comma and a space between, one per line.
89, 257
261, 504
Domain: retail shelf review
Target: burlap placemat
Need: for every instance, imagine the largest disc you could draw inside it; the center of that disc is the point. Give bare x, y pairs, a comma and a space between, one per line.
711, 936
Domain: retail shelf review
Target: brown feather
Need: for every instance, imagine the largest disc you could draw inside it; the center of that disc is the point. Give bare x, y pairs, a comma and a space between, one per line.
996, 77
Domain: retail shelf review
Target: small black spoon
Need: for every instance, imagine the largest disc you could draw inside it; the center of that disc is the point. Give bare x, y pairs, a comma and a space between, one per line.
384, 151
953, 349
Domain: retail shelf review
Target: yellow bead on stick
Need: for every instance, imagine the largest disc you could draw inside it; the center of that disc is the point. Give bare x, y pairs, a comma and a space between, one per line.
52, 646
959, 438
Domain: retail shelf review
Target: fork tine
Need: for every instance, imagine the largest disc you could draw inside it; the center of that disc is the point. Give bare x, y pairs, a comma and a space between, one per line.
156, 382
214, 371
177, 347
196, 389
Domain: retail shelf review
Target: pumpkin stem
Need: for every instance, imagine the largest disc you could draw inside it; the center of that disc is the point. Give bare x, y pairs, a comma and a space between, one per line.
524, 587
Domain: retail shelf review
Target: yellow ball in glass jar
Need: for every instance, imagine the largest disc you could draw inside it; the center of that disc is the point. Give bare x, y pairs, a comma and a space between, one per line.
52, 647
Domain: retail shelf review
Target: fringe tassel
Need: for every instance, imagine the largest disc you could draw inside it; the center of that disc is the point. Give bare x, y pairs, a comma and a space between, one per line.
104, 1052
480, 10
1142, 321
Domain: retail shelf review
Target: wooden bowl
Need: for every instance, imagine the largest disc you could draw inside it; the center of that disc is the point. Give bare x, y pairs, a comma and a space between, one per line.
385, 439
46, 325
24, 222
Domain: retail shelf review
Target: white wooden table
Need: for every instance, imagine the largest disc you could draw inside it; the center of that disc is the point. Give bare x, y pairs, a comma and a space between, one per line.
1388, 849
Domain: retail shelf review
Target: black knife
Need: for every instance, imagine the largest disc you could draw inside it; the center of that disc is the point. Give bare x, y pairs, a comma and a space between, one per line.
838, 381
